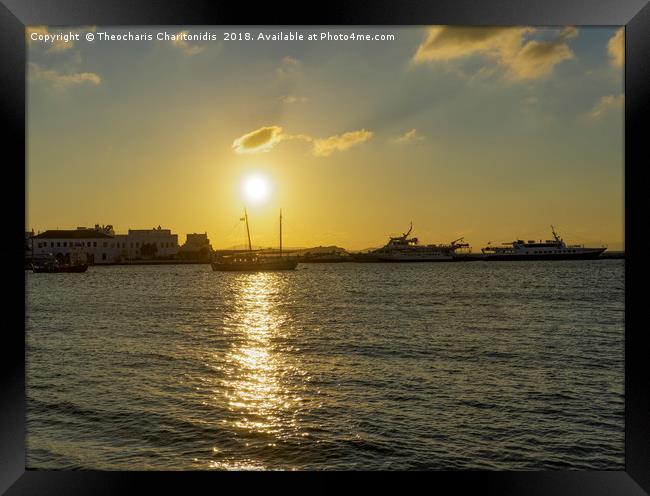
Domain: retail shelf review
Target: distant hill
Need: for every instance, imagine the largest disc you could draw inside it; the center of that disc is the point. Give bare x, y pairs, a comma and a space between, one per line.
296, 249
323, 249
365, 249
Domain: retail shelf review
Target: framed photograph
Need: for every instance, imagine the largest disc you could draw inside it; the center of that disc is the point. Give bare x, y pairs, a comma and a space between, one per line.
374, 237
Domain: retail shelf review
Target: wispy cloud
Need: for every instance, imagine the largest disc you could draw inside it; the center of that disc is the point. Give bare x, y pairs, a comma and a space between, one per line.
325, 147
411, 136
53, 43
292, 99
616, 48
521, 58
289, 66
179, 40
605, 104
59, 80
265, 138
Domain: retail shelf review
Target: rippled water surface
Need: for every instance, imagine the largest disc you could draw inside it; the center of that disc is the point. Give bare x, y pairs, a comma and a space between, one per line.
499, 365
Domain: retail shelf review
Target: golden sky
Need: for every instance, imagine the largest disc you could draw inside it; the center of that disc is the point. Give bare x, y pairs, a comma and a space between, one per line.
488, 133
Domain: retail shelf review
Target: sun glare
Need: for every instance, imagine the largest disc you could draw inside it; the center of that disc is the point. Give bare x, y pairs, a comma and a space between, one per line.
256, 188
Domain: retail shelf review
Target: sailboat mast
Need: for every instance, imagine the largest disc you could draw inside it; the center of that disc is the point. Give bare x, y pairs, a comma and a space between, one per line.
280, 232
248, 233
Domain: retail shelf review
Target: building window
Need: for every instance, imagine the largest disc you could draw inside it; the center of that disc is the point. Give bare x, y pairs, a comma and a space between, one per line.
95, 244
58, 243
88, 243
52, 244
103, 256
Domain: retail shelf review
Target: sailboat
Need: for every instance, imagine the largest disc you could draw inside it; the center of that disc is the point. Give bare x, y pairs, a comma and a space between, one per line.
253, 262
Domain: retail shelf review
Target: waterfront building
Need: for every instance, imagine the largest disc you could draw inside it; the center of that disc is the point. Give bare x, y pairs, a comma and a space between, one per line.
60, 244
150, 243
196, 246
101, 245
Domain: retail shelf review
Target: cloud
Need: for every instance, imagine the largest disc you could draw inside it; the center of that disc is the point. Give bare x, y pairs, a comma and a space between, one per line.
411, 136
616, 48
53, 45
522, 59
606, 103
179, 40
265, 138
292, 99
59, 80
260, 140
289, 66
39, 30
325, 147
54, 42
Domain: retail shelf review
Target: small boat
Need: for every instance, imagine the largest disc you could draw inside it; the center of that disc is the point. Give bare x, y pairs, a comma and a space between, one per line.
55, 267
254, 262
75, 262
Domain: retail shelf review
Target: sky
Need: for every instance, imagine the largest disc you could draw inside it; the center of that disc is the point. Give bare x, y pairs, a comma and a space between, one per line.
488, 133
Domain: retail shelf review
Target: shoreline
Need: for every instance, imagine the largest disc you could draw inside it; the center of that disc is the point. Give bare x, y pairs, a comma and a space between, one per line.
470, 257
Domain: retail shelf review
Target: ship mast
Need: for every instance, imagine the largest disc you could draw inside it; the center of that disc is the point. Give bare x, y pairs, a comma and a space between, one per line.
248, 233
280, 232
410, 229
557, 238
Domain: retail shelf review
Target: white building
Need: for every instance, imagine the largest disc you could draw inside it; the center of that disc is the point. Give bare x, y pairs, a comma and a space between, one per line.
98, 246
102, 245
156, 242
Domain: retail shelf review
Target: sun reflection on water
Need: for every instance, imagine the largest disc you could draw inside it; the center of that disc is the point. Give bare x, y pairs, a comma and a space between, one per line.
258, 370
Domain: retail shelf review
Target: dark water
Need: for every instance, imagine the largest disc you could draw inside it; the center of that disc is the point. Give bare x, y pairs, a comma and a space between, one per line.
501, 365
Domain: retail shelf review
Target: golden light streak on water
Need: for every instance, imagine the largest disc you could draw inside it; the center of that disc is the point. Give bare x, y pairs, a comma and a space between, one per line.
260, 401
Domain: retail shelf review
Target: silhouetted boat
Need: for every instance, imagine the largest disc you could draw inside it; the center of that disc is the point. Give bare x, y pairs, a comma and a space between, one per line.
551, 249
73, 262
254, 262
55, 267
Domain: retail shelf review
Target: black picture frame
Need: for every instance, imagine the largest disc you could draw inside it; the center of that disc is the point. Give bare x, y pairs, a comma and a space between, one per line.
16, 14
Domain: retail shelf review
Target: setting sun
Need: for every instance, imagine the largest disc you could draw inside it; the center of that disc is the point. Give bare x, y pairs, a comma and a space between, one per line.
256, 188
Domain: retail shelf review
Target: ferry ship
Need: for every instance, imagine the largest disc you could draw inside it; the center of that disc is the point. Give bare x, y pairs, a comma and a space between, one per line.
551, 249
405, 249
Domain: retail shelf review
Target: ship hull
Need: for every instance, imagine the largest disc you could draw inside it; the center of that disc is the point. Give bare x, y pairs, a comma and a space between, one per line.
368, 258
324, 260
286, 264
416, 260
586, 255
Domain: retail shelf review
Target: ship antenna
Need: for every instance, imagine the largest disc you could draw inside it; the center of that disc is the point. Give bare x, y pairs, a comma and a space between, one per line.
410, 229
248, 233
280, 232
